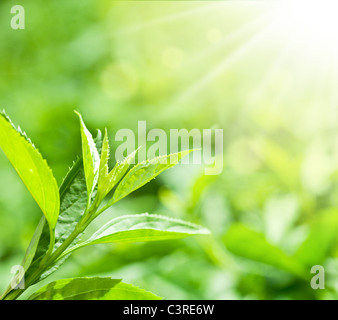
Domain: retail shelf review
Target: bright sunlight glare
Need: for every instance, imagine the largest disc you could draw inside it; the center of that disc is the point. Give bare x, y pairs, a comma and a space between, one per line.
312, 22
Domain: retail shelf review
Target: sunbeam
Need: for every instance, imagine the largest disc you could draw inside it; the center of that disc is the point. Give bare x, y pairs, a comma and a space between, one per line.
221, 68
171, 18
270, 73
228, 39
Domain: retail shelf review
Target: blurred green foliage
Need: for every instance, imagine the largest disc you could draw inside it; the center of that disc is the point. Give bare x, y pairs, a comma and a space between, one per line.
196, 64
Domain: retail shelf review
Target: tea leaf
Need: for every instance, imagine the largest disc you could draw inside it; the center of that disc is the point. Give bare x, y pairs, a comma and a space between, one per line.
73, 196
142, 228
104, 168
145, 171
33, 246
108, 181
32, 169
92, 289
91, 158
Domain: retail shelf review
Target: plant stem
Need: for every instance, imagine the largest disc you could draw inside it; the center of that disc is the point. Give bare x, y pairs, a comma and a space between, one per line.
59, 253
51, 242
50, 257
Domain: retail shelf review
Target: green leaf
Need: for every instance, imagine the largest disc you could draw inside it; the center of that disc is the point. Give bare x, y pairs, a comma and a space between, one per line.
32, 169
142, 228
91, 158
104, 168
322, 239
252, 245
73, 202
92, 289
145, 171
33, 246
73, 196
108, 181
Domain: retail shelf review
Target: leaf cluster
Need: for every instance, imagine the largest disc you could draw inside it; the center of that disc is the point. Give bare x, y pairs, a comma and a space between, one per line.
68, 210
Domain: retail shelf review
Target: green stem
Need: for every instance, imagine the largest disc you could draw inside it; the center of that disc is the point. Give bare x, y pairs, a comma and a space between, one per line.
90, 218
51, 242
80, 227
52, 257
96, 214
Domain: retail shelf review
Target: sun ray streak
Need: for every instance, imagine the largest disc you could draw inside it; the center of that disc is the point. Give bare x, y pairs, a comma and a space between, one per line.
242, 31
217, 71
140, 27
333, 115
271, 72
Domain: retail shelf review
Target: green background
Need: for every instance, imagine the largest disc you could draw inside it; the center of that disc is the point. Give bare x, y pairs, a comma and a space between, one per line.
190, 64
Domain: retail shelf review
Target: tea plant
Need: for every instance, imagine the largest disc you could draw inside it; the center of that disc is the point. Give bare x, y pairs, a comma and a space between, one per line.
69, 209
